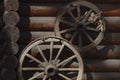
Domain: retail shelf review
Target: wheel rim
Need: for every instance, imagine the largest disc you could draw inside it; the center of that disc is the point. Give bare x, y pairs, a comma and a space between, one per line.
78, 22
50, 65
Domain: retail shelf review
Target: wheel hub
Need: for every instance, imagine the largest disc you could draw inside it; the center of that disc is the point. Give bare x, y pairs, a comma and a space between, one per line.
80, 26
51, 70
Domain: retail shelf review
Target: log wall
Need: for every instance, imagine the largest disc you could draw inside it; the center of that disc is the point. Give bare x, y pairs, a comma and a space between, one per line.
37, 21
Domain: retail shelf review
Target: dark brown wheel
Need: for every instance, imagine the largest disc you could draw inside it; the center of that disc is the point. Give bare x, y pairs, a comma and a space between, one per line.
50, 59
81, 23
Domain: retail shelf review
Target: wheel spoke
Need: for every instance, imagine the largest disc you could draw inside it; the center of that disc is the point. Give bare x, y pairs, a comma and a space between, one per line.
66, 60
63, 76
73, 37
80, 40
36, 76
67, 30
87, 15
68, 69
60, 50
41, 53
72, 15
33, 58
78, 11
32, 69
91, 29
49, 78
88, 36
67, 22
45, 77
51, 51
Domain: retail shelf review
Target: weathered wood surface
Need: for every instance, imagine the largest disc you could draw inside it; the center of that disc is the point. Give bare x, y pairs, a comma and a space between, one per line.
26, 37
10, 33
39, 9
11, 5
11, 18
101, 76
102, 65
64, 1
102, 52
47, 23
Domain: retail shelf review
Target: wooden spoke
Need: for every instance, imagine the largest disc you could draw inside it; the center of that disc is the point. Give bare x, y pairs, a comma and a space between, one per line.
67, 30
80, 40
91, 29
51, 51
67, 22
66, 60
60, 50
32, 69
33, 58
69, 69
73, 37
36, 76
87, 15
41, 53
78, 11
72, 15
63, 76
88, 36
45, 77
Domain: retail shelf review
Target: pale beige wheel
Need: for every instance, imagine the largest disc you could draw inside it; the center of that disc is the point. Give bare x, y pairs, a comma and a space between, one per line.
50, 59
81, 23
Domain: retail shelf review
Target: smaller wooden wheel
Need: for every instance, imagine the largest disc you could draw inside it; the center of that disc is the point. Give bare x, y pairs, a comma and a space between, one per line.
81, 23
50, 59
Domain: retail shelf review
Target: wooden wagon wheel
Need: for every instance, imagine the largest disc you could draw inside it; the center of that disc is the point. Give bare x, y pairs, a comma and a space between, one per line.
81, 23
56, 61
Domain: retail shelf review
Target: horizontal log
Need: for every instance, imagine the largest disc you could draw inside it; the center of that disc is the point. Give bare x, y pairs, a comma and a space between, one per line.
102, 52
90, 65
115, 12
53, 10
102, 65
101, 76
47, 23
26, 37
36, 9
66, 1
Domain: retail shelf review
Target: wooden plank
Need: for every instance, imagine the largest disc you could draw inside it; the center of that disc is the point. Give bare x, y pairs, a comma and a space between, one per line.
47, 23
101, 76
102, 65
26, 37
38, 9
66, 1
102, 52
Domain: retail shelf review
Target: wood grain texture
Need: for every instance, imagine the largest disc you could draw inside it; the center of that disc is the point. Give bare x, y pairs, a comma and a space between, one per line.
101, 76
49, 9
47, 23
11, 5
26, 37
65, 1
102, 52
11, 18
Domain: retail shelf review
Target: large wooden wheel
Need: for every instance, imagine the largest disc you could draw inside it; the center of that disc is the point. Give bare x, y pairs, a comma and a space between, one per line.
50, 59
81, 23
